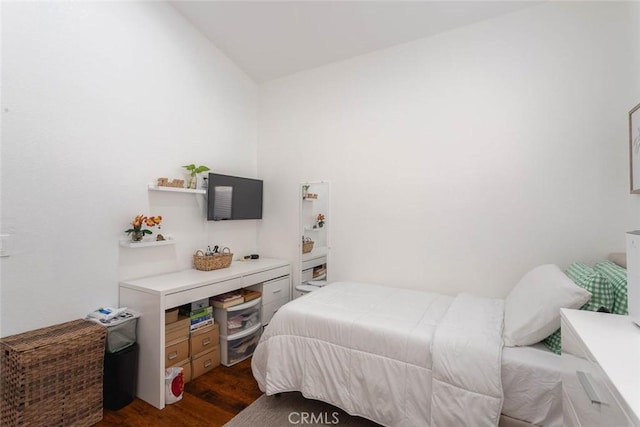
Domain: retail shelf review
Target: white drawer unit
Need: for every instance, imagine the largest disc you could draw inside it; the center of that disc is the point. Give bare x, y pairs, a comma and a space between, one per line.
238, 318
275, 290
275, 294
268, 310
601, 383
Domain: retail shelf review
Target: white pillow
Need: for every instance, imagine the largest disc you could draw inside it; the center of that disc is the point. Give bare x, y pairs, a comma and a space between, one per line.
532, 308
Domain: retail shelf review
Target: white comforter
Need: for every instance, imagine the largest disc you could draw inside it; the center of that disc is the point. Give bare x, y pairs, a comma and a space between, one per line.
396, 357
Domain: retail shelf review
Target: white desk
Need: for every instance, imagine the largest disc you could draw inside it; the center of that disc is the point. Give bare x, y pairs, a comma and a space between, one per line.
603, 351
151, 296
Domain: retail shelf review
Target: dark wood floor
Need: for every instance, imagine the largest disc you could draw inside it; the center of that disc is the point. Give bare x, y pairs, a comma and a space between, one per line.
209, 400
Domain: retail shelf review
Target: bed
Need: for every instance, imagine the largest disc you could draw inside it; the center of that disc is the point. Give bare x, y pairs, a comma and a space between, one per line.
405, 358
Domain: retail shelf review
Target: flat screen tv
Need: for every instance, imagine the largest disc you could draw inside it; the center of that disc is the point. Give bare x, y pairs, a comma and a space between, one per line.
233, 197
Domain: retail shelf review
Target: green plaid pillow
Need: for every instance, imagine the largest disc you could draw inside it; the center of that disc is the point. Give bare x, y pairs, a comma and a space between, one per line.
554, 342
602, 295
617, 277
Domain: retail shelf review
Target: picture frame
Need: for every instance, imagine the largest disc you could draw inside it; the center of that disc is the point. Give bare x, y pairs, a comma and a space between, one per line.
634, 149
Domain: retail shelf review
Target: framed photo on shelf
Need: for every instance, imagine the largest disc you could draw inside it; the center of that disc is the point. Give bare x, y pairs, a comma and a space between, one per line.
634, 149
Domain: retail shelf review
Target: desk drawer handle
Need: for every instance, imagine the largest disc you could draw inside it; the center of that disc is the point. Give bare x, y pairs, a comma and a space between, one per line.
173, 355
277, 290
207, 363
206, 341
586, 380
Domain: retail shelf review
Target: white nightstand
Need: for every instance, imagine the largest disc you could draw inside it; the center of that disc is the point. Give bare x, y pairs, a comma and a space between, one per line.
602, 355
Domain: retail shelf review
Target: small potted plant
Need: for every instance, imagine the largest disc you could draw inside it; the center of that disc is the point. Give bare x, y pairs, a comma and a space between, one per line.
137, 232
193, 172
320, 220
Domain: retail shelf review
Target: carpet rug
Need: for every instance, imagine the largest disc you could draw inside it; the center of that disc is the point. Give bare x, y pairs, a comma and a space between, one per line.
292, 409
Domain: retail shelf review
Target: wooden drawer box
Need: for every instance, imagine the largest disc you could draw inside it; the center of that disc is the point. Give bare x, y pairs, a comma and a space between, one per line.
176, 351
204, 340
177, 330
171, 316
205, 362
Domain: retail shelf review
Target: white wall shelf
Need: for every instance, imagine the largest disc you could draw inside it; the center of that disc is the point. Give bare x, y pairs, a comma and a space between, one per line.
153, 187
128, 243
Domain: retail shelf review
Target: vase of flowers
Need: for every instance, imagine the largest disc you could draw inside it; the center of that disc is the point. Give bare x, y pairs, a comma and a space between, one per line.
137, 232
320, 220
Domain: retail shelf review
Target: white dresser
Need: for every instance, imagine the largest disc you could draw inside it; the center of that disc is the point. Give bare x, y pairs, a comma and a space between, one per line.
602, 355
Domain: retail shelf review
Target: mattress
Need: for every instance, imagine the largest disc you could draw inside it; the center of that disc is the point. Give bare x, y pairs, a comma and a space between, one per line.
531, 382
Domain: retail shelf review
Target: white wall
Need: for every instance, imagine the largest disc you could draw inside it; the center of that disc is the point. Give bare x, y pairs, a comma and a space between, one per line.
460, 161
98, 100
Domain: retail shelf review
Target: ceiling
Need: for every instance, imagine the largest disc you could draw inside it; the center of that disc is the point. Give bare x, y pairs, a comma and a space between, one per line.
271, 39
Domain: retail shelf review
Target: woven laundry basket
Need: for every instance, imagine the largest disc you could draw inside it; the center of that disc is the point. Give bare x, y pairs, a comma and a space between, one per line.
53, 376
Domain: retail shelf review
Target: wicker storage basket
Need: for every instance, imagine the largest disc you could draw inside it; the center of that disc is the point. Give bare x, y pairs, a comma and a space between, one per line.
307, 246
53, 376
212, 262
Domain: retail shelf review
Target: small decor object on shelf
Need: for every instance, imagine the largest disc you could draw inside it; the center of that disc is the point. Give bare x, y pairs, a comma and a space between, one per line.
137, 232
194, 171
305, 191
164, 182
212, 260
320, 220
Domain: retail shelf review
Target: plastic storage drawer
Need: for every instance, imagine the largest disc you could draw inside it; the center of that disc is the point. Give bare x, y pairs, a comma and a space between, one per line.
238, 318
236, 348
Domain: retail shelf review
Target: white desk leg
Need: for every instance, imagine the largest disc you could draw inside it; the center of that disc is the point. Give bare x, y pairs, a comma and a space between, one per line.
150, 337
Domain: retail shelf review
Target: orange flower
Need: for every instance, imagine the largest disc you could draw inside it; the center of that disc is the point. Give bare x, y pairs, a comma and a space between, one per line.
140, 220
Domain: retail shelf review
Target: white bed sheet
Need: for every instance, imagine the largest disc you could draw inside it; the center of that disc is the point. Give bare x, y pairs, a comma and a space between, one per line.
531, 381
531, 376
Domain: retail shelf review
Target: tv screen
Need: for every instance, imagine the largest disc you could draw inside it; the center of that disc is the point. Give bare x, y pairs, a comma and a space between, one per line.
233, 197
